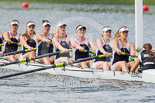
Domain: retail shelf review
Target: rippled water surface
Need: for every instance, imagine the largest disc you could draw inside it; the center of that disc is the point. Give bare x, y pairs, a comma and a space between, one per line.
45, 88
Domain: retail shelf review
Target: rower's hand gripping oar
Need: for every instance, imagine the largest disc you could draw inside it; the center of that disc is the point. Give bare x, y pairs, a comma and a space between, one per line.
54, 66
12, 43
37, 57
17, 52
19, 44
89, 51
123, 53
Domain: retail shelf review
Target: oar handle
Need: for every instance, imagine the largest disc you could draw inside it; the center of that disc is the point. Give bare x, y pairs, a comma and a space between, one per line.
69, 50
2, 44
123, 53
50, 42
19, 44
28, 50
89, 51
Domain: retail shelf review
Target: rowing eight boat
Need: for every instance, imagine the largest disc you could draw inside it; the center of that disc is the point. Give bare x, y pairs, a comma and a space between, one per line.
146, 75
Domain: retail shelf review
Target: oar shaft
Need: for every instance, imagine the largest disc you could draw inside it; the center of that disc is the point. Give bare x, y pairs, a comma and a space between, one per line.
49, 67
45, 55
27, 72
5, 64
17, 52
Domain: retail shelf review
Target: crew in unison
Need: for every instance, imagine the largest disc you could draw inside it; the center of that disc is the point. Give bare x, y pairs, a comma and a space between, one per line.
116, 51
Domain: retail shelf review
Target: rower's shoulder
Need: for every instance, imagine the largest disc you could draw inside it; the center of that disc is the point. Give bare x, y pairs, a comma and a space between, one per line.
115, 41
90, 40
6, 32
99, 40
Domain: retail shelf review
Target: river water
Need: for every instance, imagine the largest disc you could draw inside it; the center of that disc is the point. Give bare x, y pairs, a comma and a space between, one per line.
45, 88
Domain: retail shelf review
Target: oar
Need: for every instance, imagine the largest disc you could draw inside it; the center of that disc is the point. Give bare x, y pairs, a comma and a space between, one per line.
17, 52
37, 57
54, 66
89, 51
2, 44
123, 53
14, 43
19, 44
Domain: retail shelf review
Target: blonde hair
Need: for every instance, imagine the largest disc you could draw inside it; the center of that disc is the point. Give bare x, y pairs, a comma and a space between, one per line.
56, 35
26, 33
14, 21
117, 33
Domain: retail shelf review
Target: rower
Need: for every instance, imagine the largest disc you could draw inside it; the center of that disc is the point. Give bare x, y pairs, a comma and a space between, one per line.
86, 43
1, 41
121, 44
44, 41
146, 59
104, 45
28, 40
63, 42
13, 36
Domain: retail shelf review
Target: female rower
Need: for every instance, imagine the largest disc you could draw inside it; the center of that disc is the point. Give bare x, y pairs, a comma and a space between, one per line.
146, 59
44, 41
104, 47
28, 40
86, 43
13, 36
121, 44
62, 43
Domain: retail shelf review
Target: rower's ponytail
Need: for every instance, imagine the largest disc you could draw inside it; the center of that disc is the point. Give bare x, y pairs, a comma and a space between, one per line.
117, 33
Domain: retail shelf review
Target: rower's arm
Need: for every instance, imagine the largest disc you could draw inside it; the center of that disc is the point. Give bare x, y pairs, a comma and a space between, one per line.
53, 35
57, 44
115, 45
2, 35
23, 42
100, 46
74, 44
92, 44
41, 38
6, 35
133, 68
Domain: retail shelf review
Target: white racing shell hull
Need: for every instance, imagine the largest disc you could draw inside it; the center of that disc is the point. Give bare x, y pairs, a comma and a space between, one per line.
146, 76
